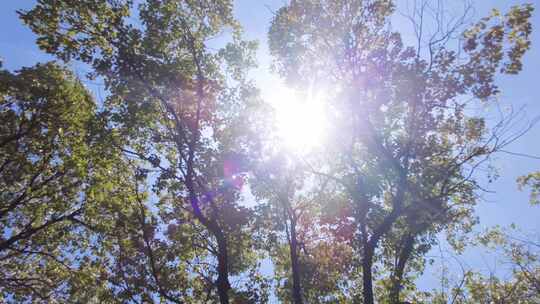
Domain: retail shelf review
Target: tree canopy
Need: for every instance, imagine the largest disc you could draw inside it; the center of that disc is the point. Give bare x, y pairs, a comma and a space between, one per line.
175, 187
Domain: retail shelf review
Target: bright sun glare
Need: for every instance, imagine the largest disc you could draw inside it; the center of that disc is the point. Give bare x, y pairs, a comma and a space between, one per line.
300, 119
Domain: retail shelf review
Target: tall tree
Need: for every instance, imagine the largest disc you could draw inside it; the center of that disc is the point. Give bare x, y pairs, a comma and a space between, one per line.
405, 147
186, 111
58, 172
297, 215
279, 184
137, 199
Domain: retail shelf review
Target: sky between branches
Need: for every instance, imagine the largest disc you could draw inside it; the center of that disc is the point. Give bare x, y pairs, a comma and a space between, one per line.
503, 206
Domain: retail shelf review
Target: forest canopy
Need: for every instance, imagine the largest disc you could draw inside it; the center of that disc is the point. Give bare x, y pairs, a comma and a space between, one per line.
184, 184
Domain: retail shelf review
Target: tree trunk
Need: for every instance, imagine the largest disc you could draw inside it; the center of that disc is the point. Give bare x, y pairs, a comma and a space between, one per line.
397, 276
297, 289
367, 263
223, 284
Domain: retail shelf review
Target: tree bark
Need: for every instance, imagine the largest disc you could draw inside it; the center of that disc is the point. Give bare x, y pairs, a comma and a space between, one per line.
367, 265
295, 265
371, 244
223, 284
397, 276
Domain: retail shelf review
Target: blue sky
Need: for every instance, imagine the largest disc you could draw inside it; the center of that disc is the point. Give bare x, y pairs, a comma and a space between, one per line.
505, 205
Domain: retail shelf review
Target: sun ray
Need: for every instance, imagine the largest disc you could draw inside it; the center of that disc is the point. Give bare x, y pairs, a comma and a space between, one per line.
300, 119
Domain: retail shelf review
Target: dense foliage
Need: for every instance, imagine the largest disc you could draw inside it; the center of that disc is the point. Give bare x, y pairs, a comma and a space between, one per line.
141, 198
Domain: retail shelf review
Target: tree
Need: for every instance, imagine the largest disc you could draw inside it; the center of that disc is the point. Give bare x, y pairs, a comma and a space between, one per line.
186, 111
138, 199
296, 218
531, 180
279, 185
405, 147
58, 173
518, 278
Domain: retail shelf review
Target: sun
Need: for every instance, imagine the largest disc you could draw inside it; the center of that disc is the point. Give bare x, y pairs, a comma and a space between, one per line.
300, 118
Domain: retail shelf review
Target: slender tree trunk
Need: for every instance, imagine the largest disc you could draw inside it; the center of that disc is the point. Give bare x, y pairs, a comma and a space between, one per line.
367, 265
295, 265
223, 284
371, 243
397, 276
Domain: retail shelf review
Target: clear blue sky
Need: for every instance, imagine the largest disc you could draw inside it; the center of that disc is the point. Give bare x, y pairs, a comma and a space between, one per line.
504, 206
